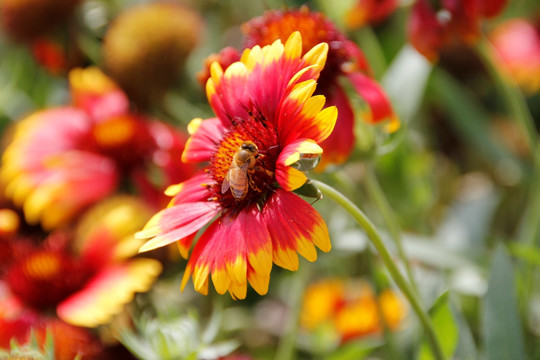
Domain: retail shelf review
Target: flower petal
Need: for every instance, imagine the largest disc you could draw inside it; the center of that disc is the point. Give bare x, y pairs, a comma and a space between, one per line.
339, 145
287, 177
294, 226
205, 136
379, 104
244, 256
176, 222
192, 190
108, 292
227, 91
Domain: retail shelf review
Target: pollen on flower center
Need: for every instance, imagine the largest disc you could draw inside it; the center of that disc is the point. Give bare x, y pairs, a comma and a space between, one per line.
114, 132
42, 266
245, 182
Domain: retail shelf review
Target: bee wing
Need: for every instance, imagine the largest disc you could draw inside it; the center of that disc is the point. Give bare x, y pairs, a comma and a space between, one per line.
226, 185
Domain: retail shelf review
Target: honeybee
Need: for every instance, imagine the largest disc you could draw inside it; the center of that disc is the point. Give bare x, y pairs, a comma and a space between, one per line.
237, 178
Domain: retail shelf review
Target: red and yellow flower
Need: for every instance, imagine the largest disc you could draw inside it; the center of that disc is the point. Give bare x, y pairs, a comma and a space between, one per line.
351, 308
345, 59
265, 100
84, 277
62, 160
517, 45
434, 25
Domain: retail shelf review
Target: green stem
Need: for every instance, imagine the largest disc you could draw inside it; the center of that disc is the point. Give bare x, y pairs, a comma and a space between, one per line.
510, 94
378, 196
286, 346
399, 279
530, 223
372, 49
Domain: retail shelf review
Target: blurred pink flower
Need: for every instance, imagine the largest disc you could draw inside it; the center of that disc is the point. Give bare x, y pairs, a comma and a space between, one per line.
517, 45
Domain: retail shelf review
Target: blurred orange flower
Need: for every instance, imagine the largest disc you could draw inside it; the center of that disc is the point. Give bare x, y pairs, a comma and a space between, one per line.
369, 12
351, 307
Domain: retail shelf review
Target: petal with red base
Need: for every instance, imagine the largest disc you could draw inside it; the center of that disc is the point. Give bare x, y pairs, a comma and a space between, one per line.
301, 115
175, 223
97, 94
51, 200
245, 256
107, 293
227, 91
294, 226
339, 145
205, 136
193, 190
288, 177
377, 100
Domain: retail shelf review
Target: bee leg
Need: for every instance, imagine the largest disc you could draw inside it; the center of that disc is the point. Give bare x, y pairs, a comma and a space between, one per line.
261, 169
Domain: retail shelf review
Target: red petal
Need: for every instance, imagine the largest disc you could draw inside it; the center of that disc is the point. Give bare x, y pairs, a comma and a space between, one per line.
203, 142
374, 95
107, 293
177, 222
232, 250
424, 30
339, 145
294, 225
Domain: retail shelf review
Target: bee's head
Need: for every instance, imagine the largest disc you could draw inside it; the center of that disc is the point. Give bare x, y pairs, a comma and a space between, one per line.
249, 146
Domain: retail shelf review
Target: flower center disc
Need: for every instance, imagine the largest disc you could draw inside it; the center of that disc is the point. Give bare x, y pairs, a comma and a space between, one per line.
257, 178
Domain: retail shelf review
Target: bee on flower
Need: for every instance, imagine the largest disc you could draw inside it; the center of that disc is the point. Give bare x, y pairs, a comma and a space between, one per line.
267, 119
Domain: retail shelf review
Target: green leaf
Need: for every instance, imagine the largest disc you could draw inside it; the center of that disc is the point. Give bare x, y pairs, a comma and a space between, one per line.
445, 326
528, 253
355, 350
501, 325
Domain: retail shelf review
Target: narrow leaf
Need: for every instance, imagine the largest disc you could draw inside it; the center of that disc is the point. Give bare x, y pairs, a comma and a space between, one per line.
501, 325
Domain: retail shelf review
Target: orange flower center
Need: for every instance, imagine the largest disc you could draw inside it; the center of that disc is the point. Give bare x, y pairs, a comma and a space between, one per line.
249, 174
114, 132
44, 278
42, 266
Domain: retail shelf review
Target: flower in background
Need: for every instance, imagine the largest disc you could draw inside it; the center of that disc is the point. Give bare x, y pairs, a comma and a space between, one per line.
345, 59
434, 25
267, 124
85, 277
517, 45
26, 20
42, 25
147, 45
62, 160
366, 12
351, 308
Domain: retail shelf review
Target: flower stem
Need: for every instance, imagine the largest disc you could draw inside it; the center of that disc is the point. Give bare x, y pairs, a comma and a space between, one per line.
286, 346
374, 189
399, 279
